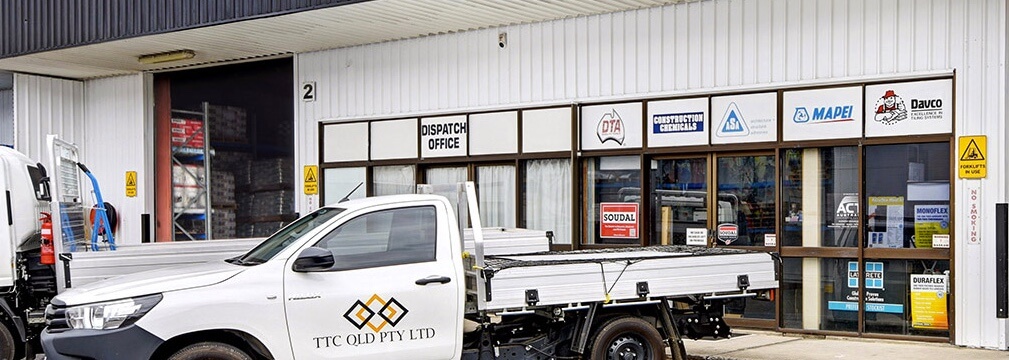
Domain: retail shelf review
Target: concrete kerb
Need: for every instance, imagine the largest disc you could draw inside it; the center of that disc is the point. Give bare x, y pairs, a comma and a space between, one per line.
752, 345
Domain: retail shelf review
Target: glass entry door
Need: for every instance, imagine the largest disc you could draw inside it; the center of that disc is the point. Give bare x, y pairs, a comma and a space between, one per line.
679, 199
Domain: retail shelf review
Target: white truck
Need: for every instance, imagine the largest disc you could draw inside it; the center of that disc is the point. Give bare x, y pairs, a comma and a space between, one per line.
27, 190
391, 278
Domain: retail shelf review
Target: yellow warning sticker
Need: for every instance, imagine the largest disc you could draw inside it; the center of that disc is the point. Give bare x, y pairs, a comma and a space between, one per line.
972, 152
311, 180
131, 184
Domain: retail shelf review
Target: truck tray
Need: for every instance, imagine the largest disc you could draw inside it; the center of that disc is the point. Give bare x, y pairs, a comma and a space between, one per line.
88, 267
574, 277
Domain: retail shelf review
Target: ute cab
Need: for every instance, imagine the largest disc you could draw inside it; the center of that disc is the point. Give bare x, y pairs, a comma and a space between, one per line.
369, 278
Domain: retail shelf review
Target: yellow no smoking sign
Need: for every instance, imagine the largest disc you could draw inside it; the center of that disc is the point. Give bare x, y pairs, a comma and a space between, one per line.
973, 157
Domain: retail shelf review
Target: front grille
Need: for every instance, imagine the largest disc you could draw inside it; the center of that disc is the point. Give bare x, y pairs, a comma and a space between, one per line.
56, 319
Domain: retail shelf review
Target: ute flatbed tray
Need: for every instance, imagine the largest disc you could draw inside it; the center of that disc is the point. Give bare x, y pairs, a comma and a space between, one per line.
574, 277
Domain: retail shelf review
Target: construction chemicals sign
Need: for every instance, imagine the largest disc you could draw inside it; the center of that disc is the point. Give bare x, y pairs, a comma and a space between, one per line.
618, 220
834, 113
678, 122
909, 108
613, 126
444, 136
928, 301
744, 118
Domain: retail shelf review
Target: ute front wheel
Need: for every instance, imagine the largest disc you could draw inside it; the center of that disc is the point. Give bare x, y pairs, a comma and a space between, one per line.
627, 338
210, 351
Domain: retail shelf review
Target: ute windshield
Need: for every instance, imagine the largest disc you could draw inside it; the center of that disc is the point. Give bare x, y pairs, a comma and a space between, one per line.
285, 237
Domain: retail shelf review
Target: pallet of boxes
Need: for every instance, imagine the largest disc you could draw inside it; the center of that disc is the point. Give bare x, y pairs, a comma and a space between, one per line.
251, 197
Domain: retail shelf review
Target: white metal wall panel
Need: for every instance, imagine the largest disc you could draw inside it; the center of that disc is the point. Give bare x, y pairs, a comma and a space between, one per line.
545, 130
7, 117
493, 133
44, 106
115, 124
345, 142
701, 47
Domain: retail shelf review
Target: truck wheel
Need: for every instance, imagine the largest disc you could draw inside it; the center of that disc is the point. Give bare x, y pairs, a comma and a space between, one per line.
210, 351
627, 338
8, 348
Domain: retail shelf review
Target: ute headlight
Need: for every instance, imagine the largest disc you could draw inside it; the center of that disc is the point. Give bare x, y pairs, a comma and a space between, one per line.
112, 314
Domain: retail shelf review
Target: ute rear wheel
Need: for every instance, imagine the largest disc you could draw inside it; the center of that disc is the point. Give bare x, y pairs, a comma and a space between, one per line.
627, 338
210, 351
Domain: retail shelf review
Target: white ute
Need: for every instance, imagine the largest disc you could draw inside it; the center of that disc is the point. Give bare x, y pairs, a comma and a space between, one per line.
391, 278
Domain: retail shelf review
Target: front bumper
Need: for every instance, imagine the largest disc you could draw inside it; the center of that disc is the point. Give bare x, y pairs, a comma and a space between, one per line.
130, 342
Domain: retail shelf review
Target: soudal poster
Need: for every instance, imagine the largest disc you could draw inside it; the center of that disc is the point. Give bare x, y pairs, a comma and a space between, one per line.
744, 118
833, 113
681, 122
909, 108
618, 220
928, 302
611, 126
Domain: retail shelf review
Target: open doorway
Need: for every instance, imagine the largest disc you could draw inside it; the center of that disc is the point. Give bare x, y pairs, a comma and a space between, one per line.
231, 145
6, 109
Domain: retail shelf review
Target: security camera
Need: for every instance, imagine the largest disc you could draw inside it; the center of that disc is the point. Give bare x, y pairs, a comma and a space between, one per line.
502, 40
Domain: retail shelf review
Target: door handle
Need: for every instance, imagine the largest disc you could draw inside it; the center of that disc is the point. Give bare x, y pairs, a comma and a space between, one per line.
433, 279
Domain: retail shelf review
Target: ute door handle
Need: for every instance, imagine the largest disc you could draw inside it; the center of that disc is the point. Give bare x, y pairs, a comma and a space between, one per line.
433, 279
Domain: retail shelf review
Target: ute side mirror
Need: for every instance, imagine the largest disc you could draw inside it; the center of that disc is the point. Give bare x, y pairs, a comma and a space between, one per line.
314, 259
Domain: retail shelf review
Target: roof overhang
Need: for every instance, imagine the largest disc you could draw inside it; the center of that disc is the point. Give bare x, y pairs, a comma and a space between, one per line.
336, 27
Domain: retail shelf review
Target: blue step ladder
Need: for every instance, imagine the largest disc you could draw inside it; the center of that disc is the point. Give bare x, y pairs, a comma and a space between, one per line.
101, 217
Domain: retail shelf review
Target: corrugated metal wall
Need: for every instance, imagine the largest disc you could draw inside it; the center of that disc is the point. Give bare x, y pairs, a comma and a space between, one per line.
698, 46
44, 106
119, 138
7, 117
33, 26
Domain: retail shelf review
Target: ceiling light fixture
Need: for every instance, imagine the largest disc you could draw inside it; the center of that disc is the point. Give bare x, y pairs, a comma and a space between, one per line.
175, 55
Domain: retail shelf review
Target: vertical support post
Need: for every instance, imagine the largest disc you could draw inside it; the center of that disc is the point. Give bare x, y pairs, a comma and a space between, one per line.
1001, 261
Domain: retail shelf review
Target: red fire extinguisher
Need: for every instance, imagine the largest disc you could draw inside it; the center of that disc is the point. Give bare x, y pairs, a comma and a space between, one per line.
48, 251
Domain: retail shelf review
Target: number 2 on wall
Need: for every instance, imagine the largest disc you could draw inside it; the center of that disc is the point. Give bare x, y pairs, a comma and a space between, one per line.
308, 91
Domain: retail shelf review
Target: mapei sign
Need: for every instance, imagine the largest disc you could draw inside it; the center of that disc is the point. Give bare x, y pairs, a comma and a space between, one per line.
832, 113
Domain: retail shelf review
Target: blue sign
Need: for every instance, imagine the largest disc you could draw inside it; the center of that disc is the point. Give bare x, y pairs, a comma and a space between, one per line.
678, 123
869, 307
824, 114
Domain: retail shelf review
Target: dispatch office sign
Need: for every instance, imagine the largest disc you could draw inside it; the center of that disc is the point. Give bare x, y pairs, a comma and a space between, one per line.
618, 220
678, 122
744, 118
909, 108
444, 136
611, 126
833, 113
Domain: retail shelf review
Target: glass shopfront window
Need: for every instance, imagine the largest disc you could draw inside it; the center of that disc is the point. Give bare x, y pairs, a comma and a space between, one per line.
340, 182
819, 294
547, 198
613, 200
496, 189
393, 180
907, 297
746, 200
907, 194
679, 199
819, 193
